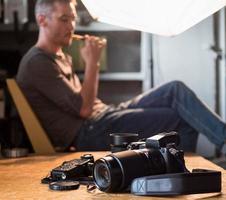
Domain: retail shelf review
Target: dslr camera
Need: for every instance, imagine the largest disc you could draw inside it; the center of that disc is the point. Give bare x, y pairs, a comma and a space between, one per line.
153, 167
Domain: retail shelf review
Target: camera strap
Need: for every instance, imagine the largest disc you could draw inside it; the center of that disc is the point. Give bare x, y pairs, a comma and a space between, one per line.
197, 181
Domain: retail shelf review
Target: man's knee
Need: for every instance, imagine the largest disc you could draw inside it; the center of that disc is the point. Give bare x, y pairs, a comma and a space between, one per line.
178, 85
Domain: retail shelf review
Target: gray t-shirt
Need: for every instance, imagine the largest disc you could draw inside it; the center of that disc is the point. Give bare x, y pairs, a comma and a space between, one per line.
50, 87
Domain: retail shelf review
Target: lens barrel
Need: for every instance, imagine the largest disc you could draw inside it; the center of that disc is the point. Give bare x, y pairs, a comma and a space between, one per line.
115, 172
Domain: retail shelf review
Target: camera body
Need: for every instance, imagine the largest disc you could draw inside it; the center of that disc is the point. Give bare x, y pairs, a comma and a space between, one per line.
156, 155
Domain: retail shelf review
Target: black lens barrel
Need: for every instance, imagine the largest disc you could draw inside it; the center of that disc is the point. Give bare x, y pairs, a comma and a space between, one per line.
124, 166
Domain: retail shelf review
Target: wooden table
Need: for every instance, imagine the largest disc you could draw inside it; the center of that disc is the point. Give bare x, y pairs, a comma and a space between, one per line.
20, 179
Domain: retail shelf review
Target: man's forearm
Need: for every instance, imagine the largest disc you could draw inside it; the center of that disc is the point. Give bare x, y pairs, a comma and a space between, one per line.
89, 89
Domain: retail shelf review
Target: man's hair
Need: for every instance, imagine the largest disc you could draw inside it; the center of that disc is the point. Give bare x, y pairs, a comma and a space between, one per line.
45, 6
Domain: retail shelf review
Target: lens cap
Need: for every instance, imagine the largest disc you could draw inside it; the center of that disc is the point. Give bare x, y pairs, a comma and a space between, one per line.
120, 141
64, 185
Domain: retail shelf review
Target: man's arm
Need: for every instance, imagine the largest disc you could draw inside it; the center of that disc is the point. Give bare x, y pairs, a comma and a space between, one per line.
91, 53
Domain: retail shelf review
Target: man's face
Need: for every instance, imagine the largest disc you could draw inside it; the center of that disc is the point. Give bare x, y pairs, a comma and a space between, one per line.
60, 23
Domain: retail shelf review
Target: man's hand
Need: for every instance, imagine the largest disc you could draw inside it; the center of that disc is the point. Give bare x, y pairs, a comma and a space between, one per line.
92, 49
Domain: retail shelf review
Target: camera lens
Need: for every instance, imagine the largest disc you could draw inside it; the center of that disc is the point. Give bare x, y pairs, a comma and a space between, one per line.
102, 174
116, 171
107, 174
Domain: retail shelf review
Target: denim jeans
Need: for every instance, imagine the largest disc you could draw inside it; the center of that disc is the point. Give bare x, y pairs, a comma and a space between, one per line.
170, 107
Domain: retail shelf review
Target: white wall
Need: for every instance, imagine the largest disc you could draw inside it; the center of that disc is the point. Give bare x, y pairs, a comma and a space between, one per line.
187, 57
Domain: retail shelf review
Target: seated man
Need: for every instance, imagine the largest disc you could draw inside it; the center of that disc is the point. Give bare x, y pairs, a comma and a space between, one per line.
72, 114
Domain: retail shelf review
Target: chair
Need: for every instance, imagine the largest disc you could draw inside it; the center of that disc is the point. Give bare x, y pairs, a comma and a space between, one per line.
36, 134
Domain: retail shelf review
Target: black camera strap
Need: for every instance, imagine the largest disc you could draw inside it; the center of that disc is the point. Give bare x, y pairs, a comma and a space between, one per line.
197, 181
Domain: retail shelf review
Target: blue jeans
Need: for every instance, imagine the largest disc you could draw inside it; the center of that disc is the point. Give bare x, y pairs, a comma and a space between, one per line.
170, 107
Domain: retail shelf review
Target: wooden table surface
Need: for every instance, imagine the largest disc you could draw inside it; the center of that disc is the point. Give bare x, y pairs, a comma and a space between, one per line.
20, 179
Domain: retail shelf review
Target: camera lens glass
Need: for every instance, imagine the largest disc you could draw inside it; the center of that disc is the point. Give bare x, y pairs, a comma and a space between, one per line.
102, 175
